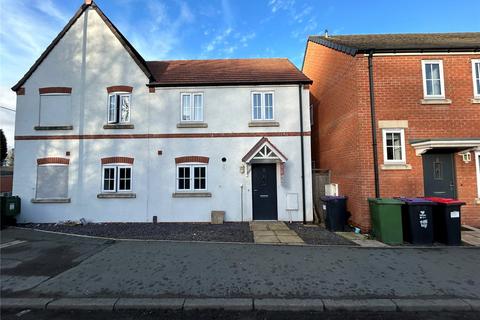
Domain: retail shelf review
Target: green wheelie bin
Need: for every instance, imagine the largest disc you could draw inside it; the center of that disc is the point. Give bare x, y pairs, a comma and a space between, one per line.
386, 215
10, 208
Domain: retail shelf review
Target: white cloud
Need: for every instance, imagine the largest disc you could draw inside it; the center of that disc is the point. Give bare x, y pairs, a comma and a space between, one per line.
277, 5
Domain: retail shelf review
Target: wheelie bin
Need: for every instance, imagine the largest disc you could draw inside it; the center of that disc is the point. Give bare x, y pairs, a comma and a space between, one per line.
417, 220
447, 220
336, 215
386, 216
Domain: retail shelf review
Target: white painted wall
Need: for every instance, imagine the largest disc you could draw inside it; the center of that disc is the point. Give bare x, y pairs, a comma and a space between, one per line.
89, 62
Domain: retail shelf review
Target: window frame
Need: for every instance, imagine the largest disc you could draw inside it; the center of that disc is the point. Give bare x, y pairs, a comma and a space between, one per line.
192, 167
385, 131
192, 106
263, 106
116, 177
118, 98
53, 165
442, 79
477, 165
476, 88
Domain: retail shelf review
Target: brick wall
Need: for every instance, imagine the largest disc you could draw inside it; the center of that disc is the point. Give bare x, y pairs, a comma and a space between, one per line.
341, 136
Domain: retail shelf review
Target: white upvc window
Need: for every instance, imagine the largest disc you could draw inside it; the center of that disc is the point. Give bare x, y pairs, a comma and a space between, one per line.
262, 105
394, 146
191, 177
119, 107
476, 78
116, 178
433, 81
192, 107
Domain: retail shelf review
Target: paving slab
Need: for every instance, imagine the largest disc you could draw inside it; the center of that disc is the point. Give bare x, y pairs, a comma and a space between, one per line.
24, 303
233, 304
351, 235
289, 239
370, 243
474, 304
149, 303
278, 226
285, 233
265, 239
258, 227
288, 304
82, 304
359, 305
263, 233
432, 305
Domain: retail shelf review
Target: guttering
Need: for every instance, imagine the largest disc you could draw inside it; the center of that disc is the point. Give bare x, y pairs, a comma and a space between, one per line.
373, 123
302, 152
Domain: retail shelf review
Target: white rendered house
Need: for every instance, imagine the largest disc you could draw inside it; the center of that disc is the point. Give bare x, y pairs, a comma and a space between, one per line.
105, 135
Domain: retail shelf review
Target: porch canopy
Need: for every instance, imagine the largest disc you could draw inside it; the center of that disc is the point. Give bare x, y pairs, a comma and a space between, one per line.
458, 144
264, 151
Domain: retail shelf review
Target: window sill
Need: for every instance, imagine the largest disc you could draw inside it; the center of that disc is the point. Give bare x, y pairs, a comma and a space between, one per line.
51, 200
118, 126
396, 167
119, 195
475, 100
53, 128
191, 195
192, 125
264, 124
435, 101
476, 201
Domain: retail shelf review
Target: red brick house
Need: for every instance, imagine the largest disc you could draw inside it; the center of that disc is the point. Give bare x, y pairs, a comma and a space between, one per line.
397, 115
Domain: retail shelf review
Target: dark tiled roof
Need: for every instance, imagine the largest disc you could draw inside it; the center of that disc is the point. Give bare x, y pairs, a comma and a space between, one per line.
225, 72
352, 44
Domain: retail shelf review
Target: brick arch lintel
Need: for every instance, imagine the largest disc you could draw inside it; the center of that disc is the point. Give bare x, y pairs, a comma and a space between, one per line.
108, 160
47, 90
119, 89
53, 160
185, 159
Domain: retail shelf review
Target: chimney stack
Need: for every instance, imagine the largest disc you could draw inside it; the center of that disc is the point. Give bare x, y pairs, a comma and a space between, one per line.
326, 33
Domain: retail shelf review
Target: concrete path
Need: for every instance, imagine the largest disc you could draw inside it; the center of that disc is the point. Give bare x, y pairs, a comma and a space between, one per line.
55, 266
361, 239
471, 236
271, 232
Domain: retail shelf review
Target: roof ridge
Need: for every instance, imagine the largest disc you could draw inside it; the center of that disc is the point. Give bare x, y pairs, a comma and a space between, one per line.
219, 59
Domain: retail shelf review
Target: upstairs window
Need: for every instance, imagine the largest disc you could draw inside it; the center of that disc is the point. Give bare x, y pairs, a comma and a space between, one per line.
55, 107
262, 106
192, 107
433, 84
192, 177
117, 178
394, 146
119, 107
476, 78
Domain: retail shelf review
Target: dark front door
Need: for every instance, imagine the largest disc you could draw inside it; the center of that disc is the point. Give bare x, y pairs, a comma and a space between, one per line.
264, 186
439, 175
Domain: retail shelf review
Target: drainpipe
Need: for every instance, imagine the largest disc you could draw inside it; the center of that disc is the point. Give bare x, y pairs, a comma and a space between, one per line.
373, 121
302, 153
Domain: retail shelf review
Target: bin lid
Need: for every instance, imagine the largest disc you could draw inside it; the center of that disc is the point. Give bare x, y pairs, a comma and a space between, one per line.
385, 201
446, 201
415, 201
332, 198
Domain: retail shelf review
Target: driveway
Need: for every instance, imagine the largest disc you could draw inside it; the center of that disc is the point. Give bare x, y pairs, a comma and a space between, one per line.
67, 266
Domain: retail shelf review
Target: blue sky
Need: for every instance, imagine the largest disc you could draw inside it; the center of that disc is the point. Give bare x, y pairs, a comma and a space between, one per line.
201, 29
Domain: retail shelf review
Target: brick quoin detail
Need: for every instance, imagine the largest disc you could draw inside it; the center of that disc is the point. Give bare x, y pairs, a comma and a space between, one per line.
48, 90
199, 159
51, 160
117, 160
119, 89
21, 91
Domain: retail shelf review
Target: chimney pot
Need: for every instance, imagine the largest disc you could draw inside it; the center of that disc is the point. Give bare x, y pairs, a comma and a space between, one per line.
88, 2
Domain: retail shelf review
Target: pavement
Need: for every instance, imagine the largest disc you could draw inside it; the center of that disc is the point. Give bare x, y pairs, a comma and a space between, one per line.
59, 271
